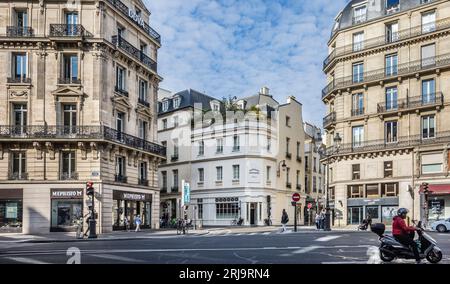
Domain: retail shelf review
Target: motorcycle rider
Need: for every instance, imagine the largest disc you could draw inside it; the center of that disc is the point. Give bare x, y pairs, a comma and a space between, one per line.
405, 234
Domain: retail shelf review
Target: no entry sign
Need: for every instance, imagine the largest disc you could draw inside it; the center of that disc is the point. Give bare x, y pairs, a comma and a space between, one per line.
295, 197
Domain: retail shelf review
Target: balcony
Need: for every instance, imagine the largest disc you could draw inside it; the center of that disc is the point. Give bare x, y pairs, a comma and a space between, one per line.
432, 100
174, 189
120, 179
78, 133
69, 176
288, 155
125, 11
288, 185
386, 39
298, 187
134, 52
143, 182
359, 19
375, 76
329, 120
143, 102
174, 158
69, 81
382, 145
121, 91
17, 176
357, 112
163, 190
12, 31
18, 80
66, 30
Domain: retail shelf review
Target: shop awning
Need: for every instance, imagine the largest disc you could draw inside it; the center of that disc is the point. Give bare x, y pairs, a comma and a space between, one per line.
437, 189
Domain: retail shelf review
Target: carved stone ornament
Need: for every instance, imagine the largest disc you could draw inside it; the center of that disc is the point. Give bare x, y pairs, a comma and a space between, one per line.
51, 149
18, 94
83, 149
95, 150
38, 147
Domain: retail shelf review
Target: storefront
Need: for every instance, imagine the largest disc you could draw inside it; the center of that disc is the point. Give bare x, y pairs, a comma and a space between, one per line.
438, 202
66, 209
11, 202
129, 205
380, 210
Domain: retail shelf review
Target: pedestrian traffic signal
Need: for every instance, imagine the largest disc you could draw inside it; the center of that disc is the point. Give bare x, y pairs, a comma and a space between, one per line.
89, 188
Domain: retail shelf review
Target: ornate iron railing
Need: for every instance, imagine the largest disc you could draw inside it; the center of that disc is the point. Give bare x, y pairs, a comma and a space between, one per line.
143, 102
134, 52
121, 91
386, 39
163, 190
69, 176
69, 81
18, 80
382, 144
122, 8
13, 31
329, 119
358, 112
79, 132
120, 178
68, 30
384, 73
17, 176
174, 189
434, 99
143, 182
174, 158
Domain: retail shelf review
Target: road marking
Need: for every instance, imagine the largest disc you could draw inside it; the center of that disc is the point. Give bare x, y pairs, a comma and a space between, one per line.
116, 257
26, 260
252, 234
267, 233
305, 250
345, 262
327, 238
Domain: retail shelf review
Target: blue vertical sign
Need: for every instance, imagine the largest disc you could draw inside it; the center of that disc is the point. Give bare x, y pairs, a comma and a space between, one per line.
186, 193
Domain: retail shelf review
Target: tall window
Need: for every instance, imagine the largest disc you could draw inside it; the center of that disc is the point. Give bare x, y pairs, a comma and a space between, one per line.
164, 179
200, 208
315, 165
356, 172
175, 121
391, 98
428, 126
219, 148
320, 185
297, 178
20, 66
21, 19
236, 173
18, 166
20, 118
68, 170
358, 72
201, 148
143, 86
269, 143
120, 168
70, 118
236, 146
428, 91
165, 105
268, 170
120, 78
288, 171
176, 102
143, 172
164, 123
288, 121
358, 104
358, 136
219, 173
175, 148
428, 53
143, 125
120, 122
298, 150
359, 14
72, 22
392, 32
314, 184
201, 175
355, 191
391, 65
391, 131
70, 70
429, 22
358, 41
288, 141
175, 179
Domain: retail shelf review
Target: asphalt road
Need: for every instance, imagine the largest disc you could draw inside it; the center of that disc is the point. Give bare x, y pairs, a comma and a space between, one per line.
256, 248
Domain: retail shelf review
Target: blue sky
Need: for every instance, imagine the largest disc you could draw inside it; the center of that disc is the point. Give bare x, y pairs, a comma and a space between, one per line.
232, 47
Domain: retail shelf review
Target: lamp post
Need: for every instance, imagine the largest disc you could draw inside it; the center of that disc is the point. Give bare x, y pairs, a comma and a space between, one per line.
337, 141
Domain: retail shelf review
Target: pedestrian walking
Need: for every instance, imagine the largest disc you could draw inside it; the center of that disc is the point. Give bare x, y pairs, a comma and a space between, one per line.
322, 220
126, 223
317, 221
137, 222
284, 220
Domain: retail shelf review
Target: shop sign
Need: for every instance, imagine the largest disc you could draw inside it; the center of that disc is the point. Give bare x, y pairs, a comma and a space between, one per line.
254, 175
66, 194
131, 196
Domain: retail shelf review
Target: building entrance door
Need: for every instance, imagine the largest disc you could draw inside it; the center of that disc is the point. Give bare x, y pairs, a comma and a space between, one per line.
253, 214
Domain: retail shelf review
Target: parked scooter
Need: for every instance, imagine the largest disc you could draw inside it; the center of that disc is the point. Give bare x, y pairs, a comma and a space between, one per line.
363, 226
391, 249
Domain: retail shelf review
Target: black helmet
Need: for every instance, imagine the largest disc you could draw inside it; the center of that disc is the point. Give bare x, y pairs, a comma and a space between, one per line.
402, 211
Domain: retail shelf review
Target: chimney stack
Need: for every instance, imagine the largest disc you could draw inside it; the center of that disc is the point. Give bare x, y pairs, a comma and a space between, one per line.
264, 91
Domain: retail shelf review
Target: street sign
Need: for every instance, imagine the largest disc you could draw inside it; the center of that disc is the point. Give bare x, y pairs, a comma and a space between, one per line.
310, 205
296, 197
185, 193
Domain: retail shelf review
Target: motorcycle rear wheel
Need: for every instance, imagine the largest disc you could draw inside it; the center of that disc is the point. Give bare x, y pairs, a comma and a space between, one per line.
434, 256
386, 257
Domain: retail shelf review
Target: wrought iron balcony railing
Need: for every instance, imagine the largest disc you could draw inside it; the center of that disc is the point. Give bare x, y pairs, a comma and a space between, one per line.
120, 178
18, 80
17, 176
135, 52
143, 182
387, 73
79, 132
13, 31
121, 91
288, 185
387, 39
122, 8
69, 176
434, 99
174, 189
143, 102
358, 112
329, 119
69, 81
163, 190
68, 30
174, 158
382, 144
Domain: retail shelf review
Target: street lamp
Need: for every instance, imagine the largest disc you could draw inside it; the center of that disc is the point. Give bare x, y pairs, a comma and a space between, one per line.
337, 142
282, 164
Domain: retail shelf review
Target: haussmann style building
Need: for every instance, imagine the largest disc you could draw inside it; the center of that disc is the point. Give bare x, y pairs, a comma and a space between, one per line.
387, 99
78, 92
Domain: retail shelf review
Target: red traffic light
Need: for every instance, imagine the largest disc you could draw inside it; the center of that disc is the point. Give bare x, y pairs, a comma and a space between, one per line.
89, 184
89, 188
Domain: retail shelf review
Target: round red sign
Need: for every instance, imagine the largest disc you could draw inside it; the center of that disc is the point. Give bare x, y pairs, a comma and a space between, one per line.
296, 197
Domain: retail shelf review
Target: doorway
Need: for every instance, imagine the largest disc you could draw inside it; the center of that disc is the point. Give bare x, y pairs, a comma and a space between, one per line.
253, 214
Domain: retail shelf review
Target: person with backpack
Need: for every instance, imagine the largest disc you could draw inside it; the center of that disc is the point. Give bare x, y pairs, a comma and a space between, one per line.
284, 220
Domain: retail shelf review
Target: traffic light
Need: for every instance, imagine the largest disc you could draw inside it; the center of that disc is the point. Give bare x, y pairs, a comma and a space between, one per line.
90, 188
426, 188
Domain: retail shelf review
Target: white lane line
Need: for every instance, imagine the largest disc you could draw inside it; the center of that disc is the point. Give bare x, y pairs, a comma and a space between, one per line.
345, 262
305, 250
26, 260
327, 238
116, 257
252, 234
267, 233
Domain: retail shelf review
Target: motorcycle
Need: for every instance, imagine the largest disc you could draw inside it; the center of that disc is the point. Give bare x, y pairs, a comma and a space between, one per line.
391, 249
364, 226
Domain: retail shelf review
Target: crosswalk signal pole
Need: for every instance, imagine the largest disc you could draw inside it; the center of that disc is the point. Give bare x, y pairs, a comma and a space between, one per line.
92, 221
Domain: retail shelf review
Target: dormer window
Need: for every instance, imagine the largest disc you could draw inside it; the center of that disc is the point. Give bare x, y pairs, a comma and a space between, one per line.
241, 104
215, 106
359, 14
392, 6
165, 105
337, 21
176, 102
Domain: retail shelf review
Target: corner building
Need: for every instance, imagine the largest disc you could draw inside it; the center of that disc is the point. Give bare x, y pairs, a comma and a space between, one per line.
387, 97
78, 92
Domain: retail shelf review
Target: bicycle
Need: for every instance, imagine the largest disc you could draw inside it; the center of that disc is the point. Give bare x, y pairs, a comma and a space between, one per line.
183, 227
236, 222
268, 222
